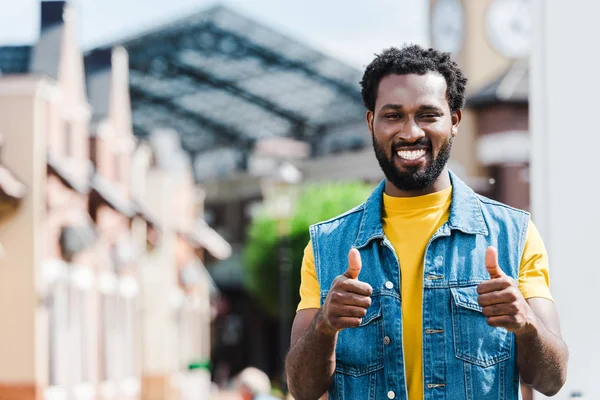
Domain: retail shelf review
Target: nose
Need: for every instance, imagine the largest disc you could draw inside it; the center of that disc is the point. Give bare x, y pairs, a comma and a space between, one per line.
411, 132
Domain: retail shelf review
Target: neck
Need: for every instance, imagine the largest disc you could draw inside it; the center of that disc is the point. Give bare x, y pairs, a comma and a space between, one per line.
441, 183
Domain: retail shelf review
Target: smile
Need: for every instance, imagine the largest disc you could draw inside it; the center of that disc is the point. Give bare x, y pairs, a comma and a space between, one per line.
411, 154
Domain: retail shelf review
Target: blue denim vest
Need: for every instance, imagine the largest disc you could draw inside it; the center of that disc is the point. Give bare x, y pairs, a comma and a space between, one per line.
463, 357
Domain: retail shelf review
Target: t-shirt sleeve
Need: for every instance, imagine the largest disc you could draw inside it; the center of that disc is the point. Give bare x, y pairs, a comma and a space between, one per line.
310, 292
534, 274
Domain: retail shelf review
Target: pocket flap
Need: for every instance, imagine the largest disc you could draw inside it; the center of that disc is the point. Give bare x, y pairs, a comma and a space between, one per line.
466, 297
373, 312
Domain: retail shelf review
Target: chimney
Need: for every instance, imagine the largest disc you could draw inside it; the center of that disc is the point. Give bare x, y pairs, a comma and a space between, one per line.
52, 14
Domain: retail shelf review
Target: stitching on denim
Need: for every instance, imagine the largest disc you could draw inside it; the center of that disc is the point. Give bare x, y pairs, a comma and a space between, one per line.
315, 245
354, 210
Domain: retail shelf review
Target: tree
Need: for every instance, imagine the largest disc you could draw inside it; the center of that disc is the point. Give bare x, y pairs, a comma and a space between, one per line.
317, 202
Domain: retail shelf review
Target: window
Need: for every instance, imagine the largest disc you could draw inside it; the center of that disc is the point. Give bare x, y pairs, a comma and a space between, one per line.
117, 167
119, 335
68, 139
58, 332
110, 337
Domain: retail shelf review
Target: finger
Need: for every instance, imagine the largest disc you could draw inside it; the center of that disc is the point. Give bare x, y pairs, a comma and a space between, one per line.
491, 263
494, 285
354, 264
508, 322
349, 311
356, 286
497, 310
345, 322
353, 299
507, 295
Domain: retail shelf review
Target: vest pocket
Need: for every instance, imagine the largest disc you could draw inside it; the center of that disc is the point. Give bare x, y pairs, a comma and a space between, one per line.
474, 340
359, 350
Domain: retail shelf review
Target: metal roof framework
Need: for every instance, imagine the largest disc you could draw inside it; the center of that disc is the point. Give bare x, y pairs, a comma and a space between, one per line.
224, 82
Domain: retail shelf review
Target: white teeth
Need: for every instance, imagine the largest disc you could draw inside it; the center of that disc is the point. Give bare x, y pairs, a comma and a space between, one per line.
410, 154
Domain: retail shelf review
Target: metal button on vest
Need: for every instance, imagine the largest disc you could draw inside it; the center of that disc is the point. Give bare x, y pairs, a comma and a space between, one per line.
389, 285
391, 395
386, 340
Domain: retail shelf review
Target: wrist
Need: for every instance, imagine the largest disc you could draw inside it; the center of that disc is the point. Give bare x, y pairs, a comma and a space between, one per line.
322, 326
531, 326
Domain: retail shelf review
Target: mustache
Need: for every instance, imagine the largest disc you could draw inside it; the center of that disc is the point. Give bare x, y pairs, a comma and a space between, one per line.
422, 142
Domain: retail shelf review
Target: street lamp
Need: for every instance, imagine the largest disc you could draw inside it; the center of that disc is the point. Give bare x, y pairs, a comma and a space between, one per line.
280, 191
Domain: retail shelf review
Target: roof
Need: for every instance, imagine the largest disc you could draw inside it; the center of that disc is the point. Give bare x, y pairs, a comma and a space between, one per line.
14, 59
11, 188
223, 82
63, 173
44, 55
512, 87
112, 196
205, 236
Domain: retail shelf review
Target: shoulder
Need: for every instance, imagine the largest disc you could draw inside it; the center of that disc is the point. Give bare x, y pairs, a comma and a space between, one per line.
495, 212
352, 214
499, 207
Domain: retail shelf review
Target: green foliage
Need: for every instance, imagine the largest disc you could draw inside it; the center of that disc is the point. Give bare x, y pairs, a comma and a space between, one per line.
317, 202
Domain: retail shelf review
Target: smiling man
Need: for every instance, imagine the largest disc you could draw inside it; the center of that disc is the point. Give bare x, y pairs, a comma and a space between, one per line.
427, 290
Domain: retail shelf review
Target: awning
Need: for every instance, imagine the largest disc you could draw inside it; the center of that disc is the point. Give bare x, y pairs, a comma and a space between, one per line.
62, 172
145, 214
111, 196
193, 272
230, 273
206, 237
11, 188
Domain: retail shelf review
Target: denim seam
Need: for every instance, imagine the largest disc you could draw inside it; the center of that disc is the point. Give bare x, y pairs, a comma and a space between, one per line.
354, 210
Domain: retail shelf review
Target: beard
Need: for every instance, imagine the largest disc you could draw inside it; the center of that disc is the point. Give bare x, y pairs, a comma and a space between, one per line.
413, 178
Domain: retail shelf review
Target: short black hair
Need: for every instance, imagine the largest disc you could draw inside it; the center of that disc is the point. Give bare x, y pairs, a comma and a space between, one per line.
414, 59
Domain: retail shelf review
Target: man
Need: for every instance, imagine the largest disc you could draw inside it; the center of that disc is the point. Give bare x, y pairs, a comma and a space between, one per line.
427, 290
254, 384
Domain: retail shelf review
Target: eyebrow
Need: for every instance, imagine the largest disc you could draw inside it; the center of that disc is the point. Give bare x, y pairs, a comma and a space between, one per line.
392, 106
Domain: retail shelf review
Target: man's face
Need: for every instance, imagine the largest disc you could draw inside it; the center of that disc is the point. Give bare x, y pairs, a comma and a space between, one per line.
412, 129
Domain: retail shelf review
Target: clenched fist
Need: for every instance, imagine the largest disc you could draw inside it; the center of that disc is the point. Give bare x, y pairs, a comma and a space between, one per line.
348, 298
502, 301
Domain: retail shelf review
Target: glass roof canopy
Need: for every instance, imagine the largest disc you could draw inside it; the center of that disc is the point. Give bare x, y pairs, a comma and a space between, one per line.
223, 82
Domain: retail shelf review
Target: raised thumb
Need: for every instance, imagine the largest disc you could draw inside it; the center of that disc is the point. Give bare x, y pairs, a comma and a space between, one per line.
491, 263
354, 264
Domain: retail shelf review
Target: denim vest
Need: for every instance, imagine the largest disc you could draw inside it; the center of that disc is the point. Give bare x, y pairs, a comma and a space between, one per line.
463, 357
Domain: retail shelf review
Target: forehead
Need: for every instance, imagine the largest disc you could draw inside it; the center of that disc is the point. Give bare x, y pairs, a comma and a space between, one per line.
412, 90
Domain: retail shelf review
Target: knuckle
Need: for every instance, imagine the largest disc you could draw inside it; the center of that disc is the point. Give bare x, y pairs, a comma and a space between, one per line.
506, 281
337, 296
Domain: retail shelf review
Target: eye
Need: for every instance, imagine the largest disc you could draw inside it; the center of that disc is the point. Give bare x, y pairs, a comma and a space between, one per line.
392, 116
430, 116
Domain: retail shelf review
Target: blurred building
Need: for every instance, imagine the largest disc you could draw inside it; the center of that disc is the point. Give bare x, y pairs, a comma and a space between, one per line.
79, 239
225, 83
491, 41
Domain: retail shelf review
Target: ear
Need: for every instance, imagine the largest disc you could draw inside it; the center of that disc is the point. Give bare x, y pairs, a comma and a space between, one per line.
369, 118
456, 118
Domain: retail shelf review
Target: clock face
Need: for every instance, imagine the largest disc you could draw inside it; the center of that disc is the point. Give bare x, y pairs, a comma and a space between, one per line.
508, 24
447, 23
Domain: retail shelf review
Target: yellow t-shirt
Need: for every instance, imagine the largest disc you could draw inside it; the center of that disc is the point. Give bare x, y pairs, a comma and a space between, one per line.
409, 223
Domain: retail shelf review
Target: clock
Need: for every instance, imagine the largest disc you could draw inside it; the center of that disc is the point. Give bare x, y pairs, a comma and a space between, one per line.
447, 26
508, 26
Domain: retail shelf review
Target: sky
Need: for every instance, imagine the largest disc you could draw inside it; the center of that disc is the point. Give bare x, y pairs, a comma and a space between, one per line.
351, 30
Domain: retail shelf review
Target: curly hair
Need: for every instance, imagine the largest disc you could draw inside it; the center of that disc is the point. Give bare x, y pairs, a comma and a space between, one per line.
414, 59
